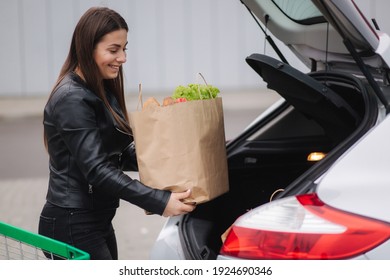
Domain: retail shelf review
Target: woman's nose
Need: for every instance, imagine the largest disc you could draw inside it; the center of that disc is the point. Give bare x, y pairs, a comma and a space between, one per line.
122, 57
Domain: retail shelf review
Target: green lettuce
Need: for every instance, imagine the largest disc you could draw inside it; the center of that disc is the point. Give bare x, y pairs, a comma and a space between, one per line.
195, 92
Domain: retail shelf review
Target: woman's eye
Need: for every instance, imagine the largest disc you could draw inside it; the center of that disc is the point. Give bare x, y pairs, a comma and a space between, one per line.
113, 51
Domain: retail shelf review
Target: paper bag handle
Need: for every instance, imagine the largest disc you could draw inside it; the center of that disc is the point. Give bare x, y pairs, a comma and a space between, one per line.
204, 80
140, 101
140, 96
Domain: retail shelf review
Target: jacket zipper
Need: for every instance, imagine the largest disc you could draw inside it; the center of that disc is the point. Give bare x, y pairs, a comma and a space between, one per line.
120, 155
120, 158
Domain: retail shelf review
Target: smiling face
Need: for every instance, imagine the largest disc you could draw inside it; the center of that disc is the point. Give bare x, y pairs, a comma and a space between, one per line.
110, 53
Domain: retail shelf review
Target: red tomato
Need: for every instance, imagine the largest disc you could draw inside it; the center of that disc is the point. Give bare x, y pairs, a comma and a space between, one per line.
180, 99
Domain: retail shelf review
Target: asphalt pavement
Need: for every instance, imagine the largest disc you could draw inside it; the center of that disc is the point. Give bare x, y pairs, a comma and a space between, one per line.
23, 166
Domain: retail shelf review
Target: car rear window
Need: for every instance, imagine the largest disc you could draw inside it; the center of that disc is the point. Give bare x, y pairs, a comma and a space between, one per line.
300, 11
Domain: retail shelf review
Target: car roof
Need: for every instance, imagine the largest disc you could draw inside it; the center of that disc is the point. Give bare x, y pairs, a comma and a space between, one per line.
315, 30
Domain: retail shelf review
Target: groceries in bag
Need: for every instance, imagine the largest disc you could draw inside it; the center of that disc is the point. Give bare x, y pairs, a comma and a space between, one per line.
181, 144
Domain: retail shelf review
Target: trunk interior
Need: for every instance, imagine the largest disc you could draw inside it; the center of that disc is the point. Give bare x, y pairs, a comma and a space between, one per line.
319, 113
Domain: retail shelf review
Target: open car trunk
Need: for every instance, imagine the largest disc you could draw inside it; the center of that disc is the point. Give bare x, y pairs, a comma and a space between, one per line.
321, 112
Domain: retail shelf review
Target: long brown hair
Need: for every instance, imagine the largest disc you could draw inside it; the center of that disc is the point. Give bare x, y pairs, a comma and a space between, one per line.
92, 26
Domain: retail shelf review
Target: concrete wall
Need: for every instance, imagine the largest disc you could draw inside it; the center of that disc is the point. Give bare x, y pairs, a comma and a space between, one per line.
169, 42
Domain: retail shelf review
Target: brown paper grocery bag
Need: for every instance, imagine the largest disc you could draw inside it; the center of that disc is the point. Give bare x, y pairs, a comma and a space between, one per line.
182, 146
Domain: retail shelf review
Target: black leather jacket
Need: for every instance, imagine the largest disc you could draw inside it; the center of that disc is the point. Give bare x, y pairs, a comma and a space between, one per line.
88, 153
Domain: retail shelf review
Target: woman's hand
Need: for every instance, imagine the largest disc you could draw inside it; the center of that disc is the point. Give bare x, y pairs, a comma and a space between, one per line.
176, 206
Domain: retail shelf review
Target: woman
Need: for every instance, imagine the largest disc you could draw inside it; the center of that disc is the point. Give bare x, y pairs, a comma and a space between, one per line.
89, 142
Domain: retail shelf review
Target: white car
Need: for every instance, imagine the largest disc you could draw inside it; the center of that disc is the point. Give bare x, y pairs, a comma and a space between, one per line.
309, 178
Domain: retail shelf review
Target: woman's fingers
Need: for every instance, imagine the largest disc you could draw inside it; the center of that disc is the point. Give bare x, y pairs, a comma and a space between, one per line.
176, 206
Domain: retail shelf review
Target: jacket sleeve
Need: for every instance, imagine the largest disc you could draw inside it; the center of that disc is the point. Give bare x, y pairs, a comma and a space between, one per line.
128, 158
75, 117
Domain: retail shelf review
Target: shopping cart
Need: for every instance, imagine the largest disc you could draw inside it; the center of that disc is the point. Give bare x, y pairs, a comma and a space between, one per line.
19, 244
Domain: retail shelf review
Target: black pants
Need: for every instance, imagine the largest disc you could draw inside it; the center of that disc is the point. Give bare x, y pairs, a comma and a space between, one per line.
87, 230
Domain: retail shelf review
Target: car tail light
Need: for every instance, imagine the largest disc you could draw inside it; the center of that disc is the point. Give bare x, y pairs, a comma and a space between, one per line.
302, 227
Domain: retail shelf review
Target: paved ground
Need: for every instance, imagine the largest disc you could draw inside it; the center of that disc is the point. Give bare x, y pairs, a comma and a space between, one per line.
23, 177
